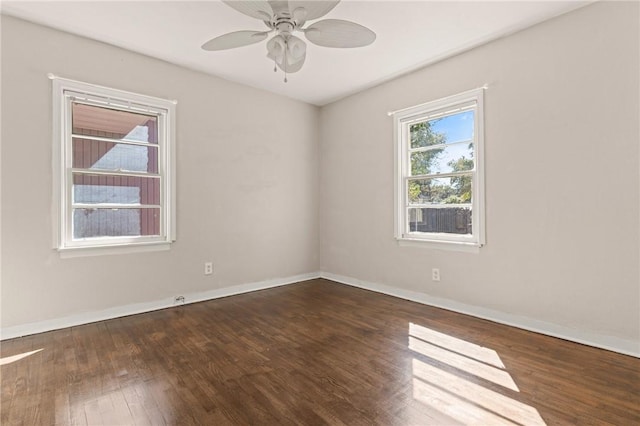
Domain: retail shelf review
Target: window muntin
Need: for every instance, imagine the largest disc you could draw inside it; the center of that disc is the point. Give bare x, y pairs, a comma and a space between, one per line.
438, 159
91, 154
439, 194
115, 185
114, 122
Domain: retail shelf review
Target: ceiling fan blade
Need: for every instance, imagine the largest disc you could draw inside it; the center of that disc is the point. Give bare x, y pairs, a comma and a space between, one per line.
314, 8
339, 33
258, 9
235, 39
279, 6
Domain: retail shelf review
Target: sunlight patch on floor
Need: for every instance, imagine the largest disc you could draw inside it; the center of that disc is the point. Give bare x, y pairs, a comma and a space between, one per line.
9, 359
470, 350
479, 369
482, 400
460, 398
458, 409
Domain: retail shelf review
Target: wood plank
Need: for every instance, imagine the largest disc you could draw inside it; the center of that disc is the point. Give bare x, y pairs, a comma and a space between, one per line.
312, 353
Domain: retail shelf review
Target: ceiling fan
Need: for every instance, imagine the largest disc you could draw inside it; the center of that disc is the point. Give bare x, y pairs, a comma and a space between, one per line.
286, 17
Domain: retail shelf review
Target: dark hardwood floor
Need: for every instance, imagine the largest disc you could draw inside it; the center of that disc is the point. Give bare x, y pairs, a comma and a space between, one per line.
311, 353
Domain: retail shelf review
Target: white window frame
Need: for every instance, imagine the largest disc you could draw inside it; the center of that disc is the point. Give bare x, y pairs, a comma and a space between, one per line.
402, 120
65, 92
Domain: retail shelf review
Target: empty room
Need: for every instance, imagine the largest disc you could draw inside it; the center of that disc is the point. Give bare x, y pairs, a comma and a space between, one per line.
320, 212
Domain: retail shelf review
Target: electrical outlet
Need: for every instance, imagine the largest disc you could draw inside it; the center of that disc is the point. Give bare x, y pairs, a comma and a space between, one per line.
208, 268
435, 274
178, 300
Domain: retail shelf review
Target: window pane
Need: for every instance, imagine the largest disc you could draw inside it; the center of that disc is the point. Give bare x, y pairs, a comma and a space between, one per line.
91, 189
449, 220
450, 190
110, 123
90, 223
449, 129
454, 158
100, 155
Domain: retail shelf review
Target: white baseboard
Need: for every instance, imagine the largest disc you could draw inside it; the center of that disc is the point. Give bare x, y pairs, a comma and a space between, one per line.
615, 344
611, 343
138, 308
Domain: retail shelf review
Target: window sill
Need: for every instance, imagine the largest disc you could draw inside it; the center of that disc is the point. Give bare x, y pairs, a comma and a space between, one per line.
70, 252
440, 245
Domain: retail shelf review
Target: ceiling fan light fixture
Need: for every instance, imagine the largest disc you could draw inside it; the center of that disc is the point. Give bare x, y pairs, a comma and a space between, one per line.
287, 52
296, 48
276, 48
285, 17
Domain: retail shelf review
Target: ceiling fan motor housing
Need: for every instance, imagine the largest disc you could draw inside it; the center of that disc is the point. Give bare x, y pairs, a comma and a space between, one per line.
285, 26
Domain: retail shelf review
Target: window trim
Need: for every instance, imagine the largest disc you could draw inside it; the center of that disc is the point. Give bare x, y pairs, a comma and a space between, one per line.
401, 121
64, 90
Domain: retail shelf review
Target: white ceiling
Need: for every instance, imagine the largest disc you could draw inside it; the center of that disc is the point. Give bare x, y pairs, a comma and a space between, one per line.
410, 34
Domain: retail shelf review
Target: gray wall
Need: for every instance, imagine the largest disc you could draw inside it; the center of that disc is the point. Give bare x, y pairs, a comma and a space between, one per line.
562, 184
246, 189
562, 162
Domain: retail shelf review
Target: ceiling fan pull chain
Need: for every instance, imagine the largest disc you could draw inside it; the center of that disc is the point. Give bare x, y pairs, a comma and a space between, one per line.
286, 67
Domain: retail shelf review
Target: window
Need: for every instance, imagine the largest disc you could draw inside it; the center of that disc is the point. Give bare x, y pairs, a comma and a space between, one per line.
113, 167
439, 181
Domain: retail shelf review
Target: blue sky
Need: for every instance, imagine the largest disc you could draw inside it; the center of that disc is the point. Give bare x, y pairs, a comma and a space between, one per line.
457, 127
